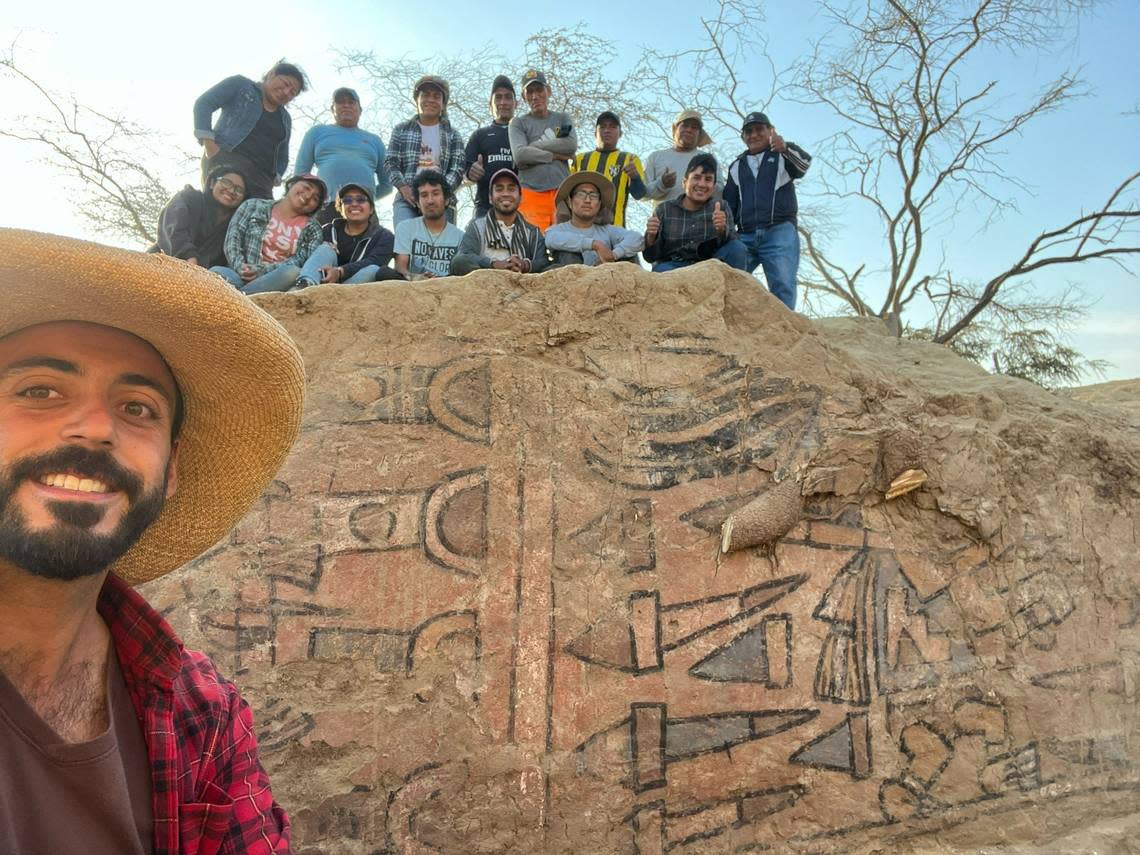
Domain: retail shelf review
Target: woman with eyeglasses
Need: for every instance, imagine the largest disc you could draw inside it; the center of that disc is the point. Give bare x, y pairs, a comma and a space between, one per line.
193, 224
253, 127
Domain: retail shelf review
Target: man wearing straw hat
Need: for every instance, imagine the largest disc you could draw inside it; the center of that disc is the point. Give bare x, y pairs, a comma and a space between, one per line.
586, 238
664, 169
144, 406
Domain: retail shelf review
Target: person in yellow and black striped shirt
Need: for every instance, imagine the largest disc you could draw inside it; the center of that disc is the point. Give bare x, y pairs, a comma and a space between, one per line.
621, 167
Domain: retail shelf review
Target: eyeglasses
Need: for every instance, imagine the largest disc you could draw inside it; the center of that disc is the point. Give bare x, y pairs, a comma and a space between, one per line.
230, 187
588, 195
354, 199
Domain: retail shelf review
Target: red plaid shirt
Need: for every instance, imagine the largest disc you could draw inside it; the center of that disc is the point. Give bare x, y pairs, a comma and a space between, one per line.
210, 794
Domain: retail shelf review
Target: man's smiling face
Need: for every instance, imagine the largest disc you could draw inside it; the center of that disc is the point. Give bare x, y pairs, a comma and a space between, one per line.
87, 456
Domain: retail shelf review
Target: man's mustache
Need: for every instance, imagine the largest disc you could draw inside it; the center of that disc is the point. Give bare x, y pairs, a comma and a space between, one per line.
81, 462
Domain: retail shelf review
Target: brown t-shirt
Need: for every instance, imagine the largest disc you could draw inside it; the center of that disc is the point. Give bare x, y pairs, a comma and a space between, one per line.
91, 797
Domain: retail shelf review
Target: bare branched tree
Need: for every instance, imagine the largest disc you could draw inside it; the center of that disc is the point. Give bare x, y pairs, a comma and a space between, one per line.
723, 76
574, 60
1022, 333
103, 154
920, 143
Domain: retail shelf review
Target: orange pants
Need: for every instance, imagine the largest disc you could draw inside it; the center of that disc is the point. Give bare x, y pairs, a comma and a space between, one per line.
537, 207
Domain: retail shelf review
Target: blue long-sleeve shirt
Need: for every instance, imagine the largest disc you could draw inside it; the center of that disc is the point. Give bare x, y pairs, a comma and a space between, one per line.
344, 156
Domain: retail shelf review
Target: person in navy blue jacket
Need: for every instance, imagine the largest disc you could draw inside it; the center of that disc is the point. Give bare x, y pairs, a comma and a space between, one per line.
762, 197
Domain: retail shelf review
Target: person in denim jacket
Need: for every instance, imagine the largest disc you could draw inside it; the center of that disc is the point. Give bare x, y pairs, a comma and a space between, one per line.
269, 242
252, 132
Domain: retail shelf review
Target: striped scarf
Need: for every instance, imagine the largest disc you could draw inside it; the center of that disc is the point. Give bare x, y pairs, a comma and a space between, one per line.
497, 239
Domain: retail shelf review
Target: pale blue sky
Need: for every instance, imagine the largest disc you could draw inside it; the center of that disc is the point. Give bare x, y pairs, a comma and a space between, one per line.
151, 64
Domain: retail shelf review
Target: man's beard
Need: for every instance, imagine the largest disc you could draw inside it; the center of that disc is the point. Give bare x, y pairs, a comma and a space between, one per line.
69, 550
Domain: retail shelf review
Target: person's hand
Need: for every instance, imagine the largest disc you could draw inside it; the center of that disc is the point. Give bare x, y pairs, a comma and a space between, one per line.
406, 192
505, 264
247, 273
630, 169
604, 252
427, 274
477, 170
192, 260
668, 178
330, 274
211, 148
720, 219
776, 142
652, 228
516, 264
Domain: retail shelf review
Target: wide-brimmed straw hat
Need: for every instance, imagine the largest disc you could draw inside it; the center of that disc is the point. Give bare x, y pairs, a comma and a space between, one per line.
604, 185
241, 376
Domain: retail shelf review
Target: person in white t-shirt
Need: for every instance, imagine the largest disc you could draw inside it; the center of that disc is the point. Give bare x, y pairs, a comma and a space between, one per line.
425, 141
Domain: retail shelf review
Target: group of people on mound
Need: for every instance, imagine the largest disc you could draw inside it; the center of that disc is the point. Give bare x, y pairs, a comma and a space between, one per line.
538, 203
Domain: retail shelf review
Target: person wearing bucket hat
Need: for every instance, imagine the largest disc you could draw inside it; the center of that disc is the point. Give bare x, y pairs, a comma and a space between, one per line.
585, 239
489, 148
542, 142
664, 168
356, 248
267, 243
425, 141
761, 193
343, 153
502, 239
144, 407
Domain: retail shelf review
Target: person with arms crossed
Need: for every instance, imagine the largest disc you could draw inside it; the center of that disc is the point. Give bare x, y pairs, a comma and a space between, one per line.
343, 153
542, 142
761, 193
136, 429
426, 244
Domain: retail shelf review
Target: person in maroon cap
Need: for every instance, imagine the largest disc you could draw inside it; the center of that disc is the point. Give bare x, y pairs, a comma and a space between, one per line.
502, 239
267, 243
